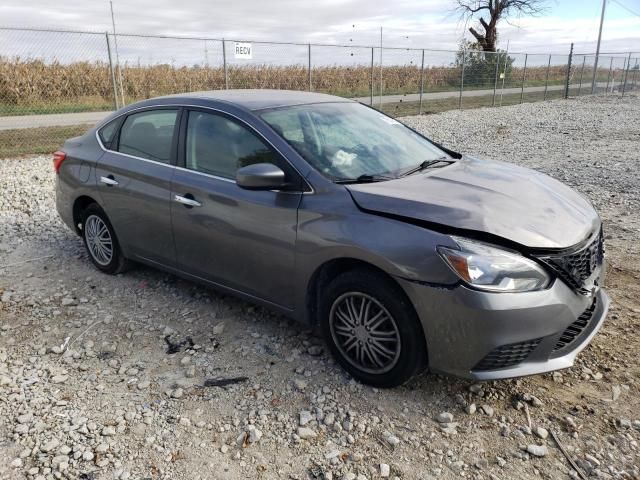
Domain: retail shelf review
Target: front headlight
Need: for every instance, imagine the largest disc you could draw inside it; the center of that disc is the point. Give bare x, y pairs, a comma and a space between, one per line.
493, 269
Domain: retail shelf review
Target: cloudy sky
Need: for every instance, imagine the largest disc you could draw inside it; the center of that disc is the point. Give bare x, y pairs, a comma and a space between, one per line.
406, 23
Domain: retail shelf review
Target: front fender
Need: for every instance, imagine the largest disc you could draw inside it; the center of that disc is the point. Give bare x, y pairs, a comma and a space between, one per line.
330, 227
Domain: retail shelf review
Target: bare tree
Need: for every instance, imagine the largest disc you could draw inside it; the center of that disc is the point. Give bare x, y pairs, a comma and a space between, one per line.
496, 10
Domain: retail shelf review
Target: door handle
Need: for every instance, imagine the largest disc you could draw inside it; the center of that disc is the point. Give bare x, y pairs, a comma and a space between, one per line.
186, 201
109, 181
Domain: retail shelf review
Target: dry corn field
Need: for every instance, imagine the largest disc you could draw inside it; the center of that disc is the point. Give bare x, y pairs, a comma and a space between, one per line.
33, 86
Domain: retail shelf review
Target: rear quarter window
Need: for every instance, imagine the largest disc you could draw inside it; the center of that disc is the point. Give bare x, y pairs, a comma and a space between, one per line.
107, 134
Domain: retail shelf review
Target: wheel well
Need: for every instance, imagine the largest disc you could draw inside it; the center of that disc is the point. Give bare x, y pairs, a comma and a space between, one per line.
327, 272
79, 206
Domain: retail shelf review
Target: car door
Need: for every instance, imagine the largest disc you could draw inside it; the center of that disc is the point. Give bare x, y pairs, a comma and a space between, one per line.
134, 183
244, 240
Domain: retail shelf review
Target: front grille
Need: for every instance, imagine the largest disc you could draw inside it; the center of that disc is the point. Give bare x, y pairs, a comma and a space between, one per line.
573, 331
576, 269
507, 355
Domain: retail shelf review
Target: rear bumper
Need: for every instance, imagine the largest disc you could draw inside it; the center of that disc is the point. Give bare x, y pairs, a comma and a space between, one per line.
490, 336
64, 204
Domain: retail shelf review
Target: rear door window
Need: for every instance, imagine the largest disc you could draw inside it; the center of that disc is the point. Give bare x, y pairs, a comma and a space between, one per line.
149, 135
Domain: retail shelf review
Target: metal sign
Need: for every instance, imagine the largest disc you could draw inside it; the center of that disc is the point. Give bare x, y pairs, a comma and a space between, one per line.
243, 50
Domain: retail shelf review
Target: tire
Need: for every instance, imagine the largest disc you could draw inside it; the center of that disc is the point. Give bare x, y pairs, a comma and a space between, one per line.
107, 257
344, 300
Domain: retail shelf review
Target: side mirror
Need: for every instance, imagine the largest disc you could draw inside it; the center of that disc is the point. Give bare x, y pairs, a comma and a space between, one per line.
260, 176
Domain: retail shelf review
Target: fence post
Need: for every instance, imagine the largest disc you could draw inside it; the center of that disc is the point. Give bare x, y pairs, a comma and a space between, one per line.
421, 83
635, 71
309, 67
380, 92
504, 72
606, 89
371, 82
224, 64
207, 68
524, 76
114, 88
626, 74
464, 60
118, 66
546, 80
584, 60
566, 88
495, 81
613, 80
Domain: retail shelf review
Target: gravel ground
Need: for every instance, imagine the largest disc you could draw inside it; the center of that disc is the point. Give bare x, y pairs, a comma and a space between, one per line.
88, 389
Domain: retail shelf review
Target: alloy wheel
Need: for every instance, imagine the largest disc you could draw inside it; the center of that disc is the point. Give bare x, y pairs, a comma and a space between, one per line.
99, 241
364, 332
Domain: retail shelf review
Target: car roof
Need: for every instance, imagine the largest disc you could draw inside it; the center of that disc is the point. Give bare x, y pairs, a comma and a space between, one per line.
261, 99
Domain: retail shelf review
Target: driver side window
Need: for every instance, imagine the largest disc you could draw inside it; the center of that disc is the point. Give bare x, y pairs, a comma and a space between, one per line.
220, 146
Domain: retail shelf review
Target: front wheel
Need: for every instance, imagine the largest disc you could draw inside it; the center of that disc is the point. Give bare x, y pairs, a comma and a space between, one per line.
372, 328
101, 242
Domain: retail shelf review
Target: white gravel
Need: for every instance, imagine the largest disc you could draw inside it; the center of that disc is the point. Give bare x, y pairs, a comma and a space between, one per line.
87, 390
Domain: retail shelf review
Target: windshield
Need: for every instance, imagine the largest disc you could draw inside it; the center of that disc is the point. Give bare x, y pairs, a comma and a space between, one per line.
349, 140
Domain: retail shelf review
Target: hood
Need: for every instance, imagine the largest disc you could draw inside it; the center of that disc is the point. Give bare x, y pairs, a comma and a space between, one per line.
497, 198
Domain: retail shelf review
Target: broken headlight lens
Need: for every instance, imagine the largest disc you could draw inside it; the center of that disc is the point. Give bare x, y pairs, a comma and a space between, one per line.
493, 269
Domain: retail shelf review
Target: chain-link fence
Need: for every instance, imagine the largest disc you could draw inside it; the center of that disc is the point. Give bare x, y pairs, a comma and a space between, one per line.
54, 83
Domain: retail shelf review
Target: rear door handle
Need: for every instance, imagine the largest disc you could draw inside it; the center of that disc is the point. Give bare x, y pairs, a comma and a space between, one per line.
186, 201
109, 181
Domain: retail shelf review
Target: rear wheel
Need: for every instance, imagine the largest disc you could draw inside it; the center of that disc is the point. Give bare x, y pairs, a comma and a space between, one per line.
101, 242
372, 328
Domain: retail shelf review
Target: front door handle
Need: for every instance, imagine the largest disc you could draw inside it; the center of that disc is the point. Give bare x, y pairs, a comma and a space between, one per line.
187, 200
109, 181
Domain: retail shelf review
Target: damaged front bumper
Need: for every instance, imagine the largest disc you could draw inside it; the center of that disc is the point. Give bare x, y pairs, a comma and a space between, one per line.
490, 336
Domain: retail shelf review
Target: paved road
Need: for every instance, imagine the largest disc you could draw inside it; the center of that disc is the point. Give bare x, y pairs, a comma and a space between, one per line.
415, 97
51, 120
90, 118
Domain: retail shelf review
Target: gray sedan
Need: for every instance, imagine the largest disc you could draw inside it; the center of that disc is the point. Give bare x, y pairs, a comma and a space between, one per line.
405, 254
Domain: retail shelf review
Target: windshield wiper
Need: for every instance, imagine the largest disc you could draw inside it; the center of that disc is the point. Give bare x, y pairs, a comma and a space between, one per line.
365, 178
426, 164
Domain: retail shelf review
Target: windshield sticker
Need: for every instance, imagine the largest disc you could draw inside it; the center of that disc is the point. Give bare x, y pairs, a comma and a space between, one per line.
343, 159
